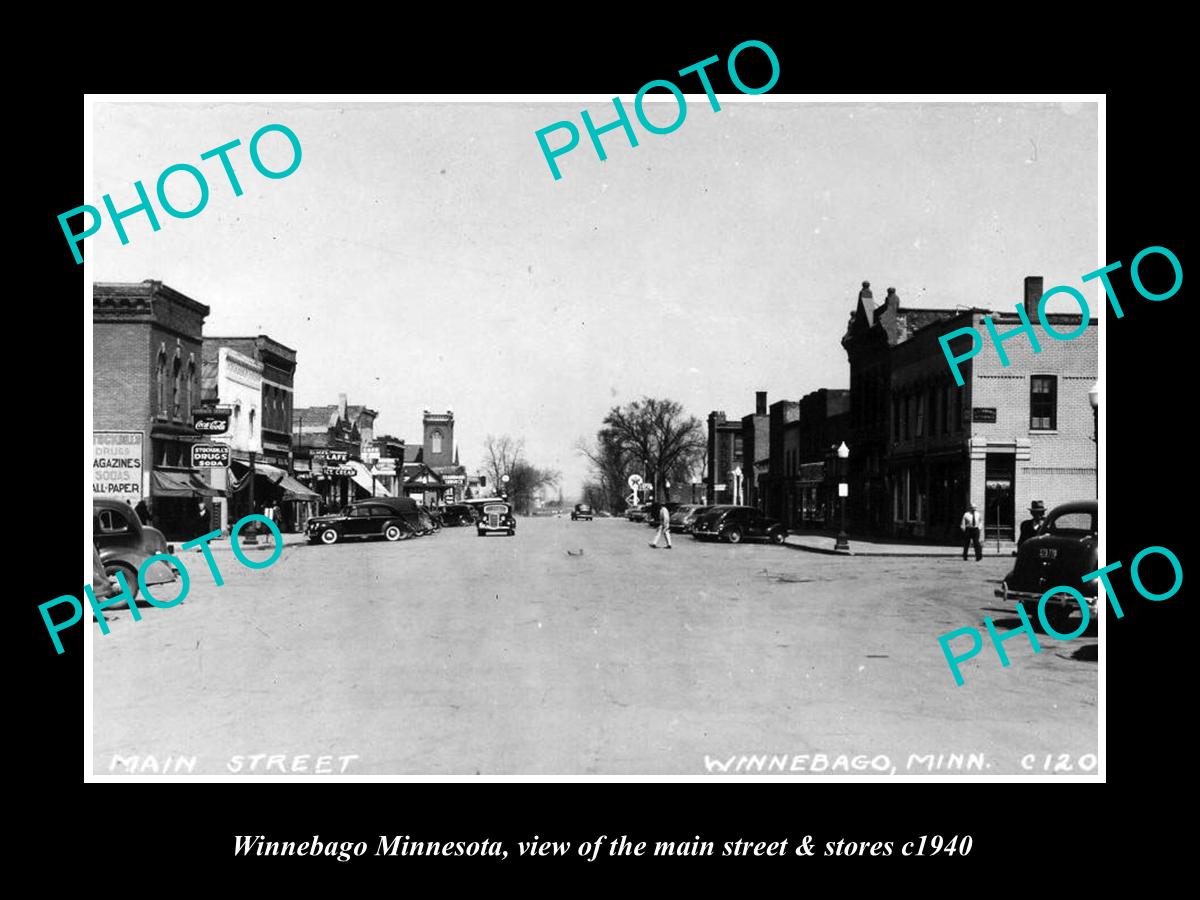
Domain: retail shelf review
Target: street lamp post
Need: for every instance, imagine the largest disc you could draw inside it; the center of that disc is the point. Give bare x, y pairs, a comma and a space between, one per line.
843, 454
1094, 399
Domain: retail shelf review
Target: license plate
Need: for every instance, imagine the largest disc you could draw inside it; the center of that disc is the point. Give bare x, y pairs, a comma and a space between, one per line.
1048, 553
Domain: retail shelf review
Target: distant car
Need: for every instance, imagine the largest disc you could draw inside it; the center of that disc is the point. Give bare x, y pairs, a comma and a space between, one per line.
737, 523
1060, 554
683, 517
637, 513
124, 544
581, 513
392, 518
458, 514
497, 518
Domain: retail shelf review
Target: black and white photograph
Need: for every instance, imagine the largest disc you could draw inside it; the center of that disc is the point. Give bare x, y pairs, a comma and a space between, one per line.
680, 436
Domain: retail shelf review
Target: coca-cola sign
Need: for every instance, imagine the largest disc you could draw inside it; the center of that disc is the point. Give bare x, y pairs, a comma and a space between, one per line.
211, 421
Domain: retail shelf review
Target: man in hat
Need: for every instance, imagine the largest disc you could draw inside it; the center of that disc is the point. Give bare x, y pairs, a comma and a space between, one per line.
971, 522
1031, 527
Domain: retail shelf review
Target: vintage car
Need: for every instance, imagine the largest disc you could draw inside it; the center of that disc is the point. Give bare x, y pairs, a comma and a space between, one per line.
392, 518
684, 516
124, 544
736, 523
496, 518
637, 513
581, 513
652, 512
1060, 554
457, 514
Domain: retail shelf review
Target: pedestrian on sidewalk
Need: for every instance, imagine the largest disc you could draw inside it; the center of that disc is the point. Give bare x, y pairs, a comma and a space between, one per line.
664, 526
970, 527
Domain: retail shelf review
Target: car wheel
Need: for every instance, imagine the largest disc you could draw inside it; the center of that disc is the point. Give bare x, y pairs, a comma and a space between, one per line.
130, 574
393, 532
733, 535
1058, 619
777, 537
329, 536
511, 532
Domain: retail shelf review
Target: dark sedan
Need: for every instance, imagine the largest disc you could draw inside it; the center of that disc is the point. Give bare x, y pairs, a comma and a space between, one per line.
124, 544
457, 514
581, 513
1059, 555
684, 517
391, 518
737, 523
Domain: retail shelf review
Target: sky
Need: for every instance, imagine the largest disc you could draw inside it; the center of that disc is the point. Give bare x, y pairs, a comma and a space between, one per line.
422, 256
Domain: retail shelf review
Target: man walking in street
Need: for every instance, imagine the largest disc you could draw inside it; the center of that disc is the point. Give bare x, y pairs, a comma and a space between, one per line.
664, 526
970, 527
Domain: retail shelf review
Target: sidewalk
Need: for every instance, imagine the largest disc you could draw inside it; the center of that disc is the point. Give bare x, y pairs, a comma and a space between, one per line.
265, 543
823, 543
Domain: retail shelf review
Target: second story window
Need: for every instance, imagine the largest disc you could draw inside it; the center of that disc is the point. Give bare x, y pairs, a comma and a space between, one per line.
1043, 403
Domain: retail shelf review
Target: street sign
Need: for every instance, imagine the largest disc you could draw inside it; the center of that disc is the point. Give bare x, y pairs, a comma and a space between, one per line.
210, 456
343, 470
720, 487
634, 481
211, 421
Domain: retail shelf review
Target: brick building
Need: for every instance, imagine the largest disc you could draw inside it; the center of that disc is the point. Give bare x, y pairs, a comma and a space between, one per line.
328, 444
147, 356
278, 364
922, 448
725, 454
824, 424
777, 489
756, 449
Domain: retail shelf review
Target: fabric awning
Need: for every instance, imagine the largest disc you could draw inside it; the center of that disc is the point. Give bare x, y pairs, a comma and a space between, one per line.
294, 490
165, 483
273, 474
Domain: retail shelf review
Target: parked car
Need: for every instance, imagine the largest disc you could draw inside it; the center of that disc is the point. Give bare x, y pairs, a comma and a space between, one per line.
581, 513
124, 544
1060, 554
737, 523
637, 513
392, 518
458, 514
497, 518
684, 516
652, 512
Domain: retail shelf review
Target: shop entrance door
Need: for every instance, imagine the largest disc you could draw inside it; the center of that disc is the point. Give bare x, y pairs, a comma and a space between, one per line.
999, 516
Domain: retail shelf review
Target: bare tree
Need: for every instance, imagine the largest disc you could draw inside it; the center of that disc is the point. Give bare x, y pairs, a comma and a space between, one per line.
500, 455
505, 455
658, 435
610, 467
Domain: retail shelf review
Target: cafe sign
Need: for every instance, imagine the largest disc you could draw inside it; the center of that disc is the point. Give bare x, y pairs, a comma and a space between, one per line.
211, 421
331, 457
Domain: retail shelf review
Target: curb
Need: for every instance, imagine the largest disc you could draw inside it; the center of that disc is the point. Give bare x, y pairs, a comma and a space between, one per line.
832, 552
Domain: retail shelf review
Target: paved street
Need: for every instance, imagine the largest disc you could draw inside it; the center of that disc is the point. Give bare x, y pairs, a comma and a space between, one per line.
454, 654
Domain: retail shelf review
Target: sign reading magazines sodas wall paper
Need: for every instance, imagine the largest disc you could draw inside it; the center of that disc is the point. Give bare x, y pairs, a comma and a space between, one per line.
117, 464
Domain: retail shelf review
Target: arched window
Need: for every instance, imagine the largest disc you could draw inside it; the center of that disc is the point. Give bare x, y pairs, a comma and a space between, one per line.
160, 381
191, 384
436, 441
176, 393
